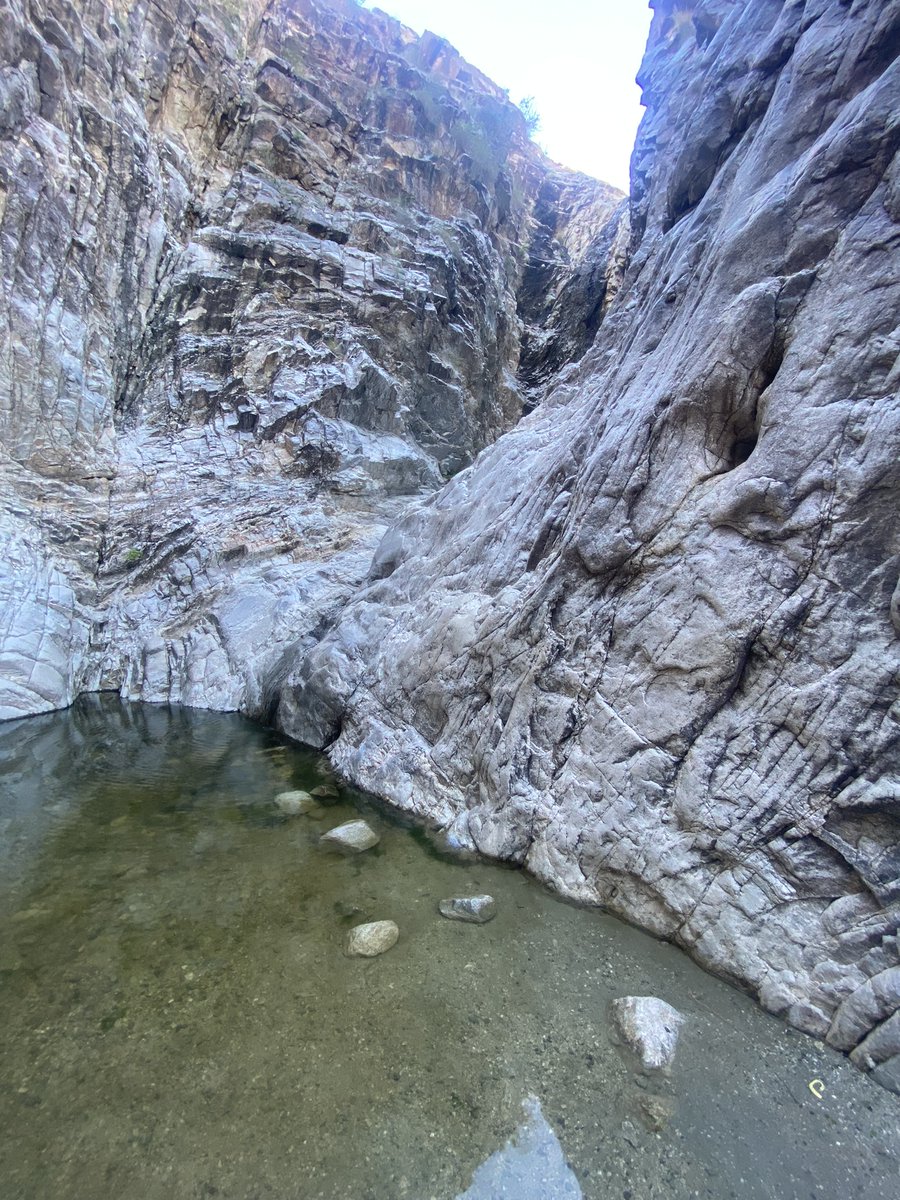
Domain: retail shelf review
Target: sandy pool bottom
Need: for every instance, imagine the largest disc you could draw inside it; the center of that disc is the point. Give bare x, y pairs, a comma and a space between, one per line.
178, 1018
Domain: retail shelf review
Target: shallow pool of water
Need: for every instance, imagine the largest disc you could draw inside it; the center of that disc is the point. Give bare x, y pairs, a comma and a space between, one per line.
178, 1018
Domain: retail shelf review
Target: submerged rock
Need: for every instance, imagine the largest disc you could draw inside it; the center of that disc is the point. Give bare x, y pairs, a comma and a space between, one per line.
295, 803
657, 1112
354, 836
325, 791
373, 938
650, 1027
478, 910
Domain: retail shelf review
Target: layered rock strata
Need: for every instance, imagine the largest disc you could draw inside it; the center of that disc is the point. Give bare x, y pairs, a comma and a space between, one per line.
262, 266
647, 644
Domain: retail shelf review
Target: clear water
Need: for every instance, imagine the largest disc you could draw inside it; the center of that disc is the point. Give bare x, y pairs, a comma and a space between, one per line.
178, 1018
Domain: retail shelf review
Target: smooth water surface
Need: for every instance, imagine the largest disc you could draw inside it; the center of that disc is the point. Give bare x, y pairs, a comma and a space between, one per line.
178, 1018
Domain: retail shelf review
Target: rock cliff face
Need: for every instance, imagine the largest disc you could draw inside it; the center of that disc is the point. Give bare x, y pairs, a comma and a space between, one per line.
273, 272
263, 265
647, 644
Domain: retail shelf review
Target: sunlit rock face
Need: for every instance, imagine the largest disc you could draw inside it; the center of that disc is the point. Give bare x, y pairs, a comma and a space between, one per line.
647, 644
267, 273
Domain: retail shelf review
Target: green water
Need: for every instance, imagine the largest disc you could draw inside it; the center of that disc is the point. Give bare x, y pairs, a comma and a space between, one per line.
178, 1018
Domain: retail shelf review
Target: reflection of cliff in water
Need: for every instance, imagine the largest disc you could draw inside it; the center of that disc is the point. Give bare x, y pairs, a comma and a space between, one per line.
531, 1166
55, 764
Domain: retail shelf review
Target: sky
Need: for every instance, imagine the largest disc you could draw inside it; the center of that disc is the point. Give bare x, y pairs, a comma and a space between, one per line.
577, 58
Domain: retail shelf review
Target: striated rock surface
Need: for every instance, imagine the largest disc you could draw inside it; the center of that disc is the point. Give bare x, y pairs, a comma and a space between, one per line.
262, 269
647, 644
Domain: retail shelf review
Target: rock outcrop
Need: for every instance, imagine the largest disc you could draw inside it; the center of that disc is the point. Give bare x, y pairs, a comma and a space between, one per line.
647, 644
262, 266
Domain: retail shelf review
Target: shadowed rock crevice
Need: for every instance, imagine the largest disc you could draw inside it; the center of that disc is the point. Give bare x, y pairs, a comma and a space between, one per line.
574, 268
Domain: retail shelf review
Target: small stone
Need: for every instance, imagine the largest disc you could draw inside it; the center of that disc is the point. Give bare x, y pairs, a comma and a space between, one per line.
325, 791
295, 803
476, 909
373, 938
657, 1112
352, 835
650, 1027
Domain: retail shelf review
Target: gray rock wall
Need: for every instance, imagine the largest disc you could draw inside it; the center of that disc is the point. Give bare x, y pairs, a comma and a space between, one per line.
261, 269
647, 644
272, 272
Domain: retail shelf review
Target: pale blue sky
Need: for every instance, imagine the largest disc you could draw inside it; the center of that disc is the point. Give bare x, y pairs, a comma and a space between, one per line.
578, 58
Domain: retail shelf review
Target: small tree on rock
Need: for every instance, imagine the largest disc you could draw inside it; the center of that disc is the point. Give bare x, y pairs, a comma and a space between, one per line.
528, 109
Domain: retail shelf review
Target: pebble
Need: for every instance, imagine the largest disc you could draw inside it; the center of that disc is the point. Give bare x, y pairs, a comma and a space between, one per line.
657, 1112
375, 937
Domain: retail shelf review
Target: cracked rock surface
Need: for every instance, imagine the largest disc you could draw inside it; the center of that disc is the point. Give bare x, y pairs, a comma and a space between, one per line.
647, 644
268, 271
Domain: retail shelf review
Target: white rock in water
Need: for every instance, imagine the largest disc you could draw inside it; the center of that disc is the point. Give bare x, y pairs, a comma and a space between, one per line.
295, 803
476, 909
353, 835
373, 938
650, 1027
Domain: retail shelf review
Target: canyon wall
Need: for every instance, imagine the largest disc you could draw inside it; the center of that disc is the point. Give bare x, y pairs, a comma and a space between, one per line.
268, 270
273, 273
647, 644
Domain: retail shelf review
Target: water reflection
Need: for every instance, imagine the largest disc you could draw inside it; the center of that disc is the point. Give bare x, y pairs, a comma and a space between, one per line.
531, 1166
